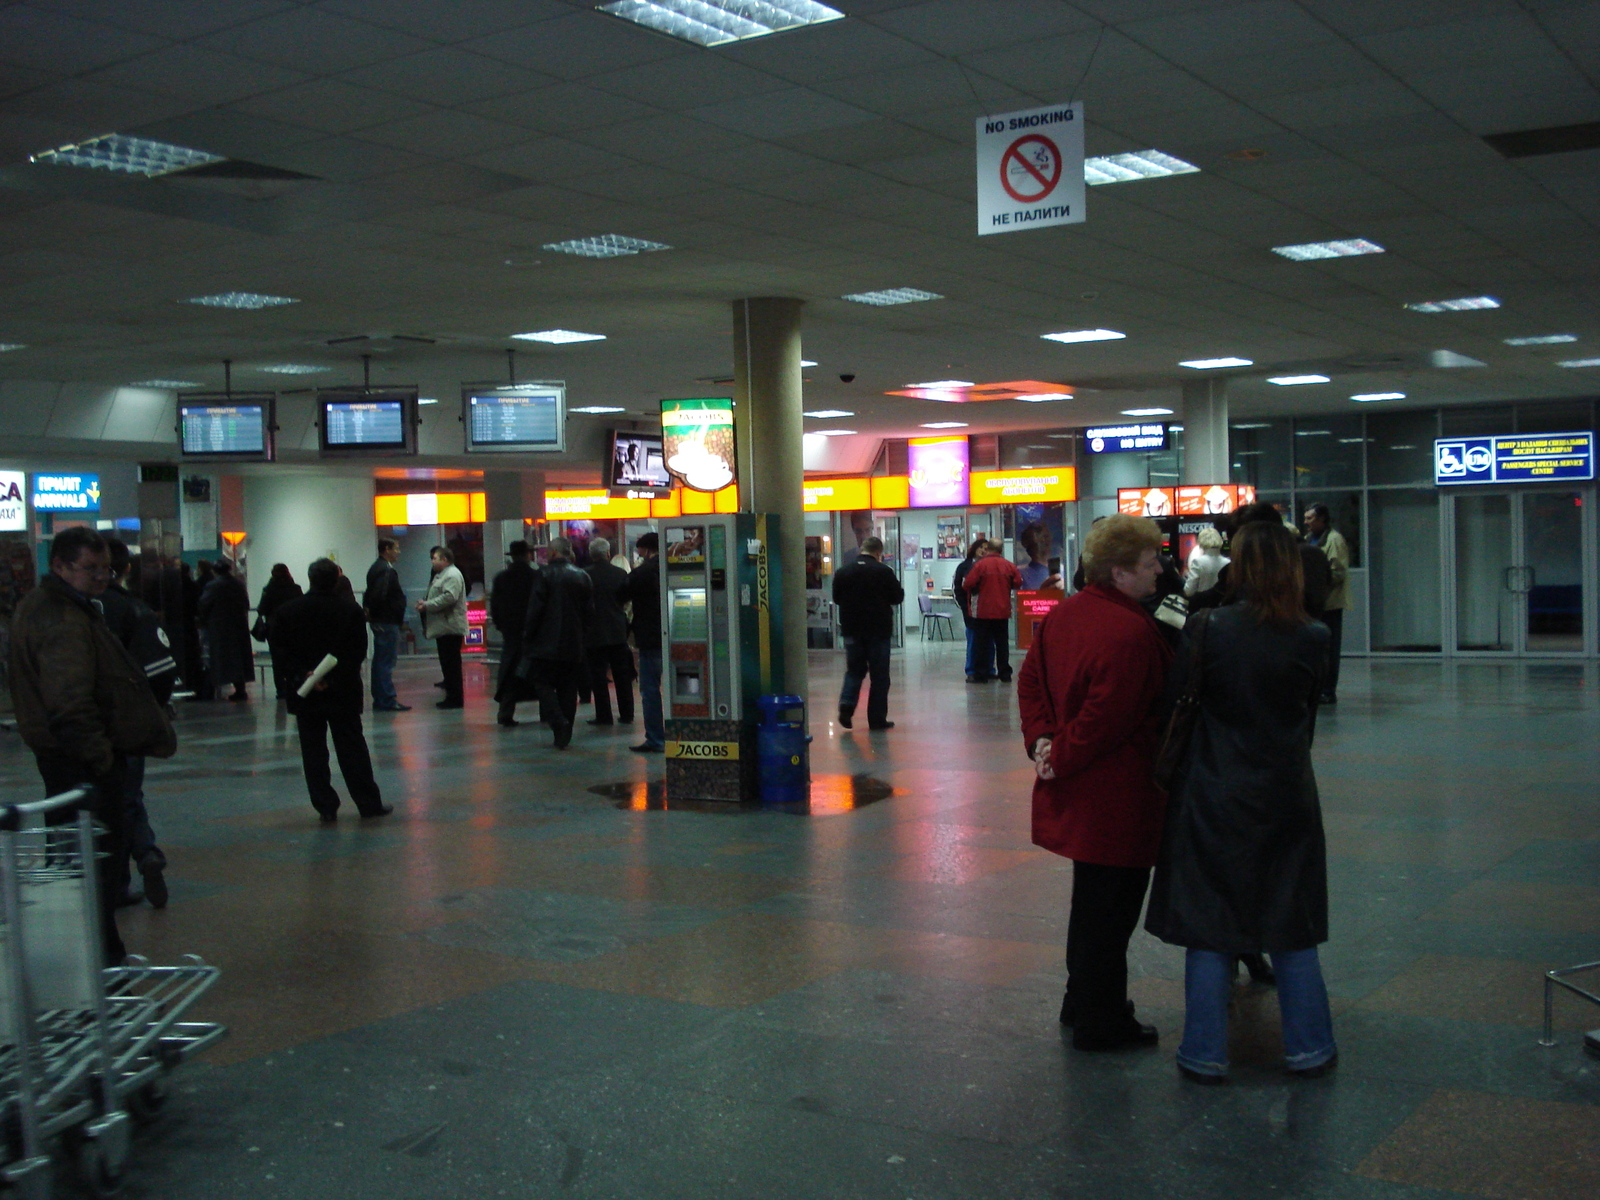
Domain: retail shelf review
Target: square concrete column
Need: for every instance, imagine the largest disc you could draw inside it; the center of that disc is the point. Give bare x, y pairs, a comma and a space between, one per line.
1205, 431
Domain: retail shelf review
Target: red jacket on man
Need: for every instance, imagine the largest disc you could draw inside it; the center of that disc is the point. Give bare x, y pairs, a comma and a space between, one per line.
1091, 683
989, 585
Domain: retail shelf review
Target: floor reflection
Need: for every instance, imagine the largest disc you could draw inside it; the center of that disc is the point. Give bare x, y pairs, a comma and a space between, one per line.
831, 795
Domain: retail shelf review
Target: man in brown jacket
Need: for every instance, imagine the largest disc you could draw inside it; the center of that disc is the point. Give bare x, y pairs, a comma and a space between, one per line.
82, 703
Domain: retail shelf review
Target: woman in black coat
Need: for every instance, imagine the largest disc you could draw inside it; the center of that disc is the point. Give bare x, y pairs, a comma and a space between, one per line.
224, 613
1243, 866
960, 594
280, 589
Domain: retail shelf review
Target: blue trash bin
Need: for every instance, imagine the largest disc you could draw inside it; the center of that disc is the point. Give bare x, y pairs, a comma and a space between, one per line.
781, 752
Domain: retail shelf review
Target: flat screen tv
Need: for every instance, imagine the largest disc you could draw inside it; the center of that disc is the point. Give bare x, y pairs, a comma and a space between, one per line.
638, 462
353, 422
515, 418
237, 427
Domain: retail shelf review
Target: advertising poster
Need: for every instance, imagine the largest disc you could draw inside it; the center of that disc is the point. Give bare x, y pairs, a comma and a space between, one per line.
1212, 499
938, 472
911, 552
1147, 502
951, 533
686, 544
697, 442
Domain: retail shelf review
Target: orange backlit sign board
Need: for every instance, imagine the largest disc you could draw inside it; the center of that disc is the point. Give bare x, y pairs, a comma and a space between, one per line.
1147, 502
838, 495
1032, 486
1210, 499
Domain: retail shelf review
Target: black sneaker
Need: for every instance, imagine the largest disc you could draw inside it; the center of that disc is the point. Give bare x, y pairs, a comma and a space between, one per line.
155, 883
647, 748
844, 717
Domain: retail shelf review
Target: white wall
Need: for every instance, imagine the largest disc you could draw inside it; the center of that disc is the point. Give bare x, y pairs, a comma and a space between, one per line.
294, 519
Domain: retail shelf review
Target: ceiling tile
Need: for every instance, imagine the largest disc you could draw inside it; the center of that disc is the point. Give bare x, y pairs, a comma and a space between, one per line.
348, 159
660, 139
831, 50
174, 19
689, 83
447, 134
956, 28
932, 85
312, 41
456, 21
868, 143
1458, 44
560, 107
548, 159
447, 77
94, 107
782, 114
195, 73
578, 46
48, 41
331, 106
1264, 26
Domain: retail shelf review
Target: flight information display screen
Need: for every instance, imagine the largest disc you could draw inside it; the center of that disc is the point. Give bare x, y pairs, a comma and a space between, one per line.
234, 427
367, 423
519, 419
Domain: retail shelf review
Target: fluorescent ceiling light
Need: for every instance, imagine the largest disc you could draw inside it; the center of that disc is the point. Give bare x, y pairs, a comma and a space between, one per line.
1462, 304
1140, 164
887, 296
946, 425
1344, 249
1351, 441
1084, 335
1041, 397
945, 384
832, 432
1174, 428
1254, 425
1373, 397
172, 384
1313, 433
250, 300
1292, 380
5, 346
1206, 364
1446, 359
559, 337
129, 155
718, 22
595, 409
293, 369
1147, 412
806, 362
605, 245
427, 400
826, 413
1549, 339
1580, 362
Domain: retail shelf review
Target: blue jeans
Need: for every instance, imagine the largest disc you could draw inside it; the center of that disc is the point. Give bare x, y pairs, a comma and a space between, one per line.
655, 726
385, 650
1302, 1000
864, 657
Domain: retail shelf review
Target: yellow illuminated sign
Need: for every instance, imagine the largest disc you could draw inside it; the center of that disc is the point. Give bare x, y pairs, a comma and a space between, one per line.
837, 495
703, 751
1041, 485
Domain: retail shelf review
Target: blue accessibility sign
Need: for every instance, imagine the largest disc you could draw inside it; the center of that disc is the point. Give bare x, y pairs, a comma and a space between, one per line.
1516, 458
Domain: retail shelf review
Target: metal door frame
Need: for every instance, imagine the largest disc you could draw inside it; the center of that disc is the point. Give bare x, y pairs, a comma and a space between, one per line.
1447, 565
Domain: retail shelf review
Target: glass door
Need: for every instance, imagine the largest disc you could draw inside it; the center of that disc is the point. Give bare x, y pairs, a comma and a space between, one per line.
887, 526
1521, 565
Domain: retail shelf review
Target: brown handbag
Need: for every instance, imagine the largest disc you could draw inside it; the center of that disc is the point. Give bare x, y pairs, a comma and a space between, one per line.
1180, 725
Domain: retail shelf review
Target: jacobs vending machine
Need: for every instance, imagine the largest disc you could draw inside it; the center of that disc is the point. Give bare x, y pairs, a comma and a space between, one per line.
724, 650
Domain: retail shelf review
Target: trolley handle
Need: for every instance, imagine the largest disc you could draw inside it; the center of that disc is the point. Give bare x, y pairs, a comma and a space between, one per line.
18, 816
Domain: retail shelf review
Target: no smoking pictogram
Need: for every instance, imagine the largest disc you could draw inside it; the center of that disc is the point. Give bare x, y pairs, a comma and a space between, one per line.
1030, 168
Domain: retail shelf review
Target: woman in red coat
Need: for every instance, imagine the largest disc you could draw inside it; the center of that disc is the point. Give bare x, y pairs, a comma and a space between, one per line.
1089, 690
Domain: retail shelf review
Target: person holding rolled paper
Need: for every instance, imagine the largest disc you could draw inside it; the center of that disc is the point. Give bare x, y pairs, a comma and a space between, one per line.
321, 640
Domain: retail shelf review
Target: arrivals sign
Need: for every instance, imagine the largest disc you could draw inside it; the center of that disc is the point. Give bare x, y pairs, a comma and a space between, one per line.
66, 493
13, 502
1030, 169
1519, 458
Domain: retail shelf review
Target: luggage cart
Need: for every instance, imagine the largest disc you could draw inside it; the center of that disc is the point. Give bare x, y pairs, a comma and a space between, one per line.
87, 1044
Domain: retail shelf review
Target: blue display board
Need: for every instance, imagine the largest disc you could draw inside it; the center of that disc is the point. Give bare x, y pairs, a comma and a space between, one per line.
1517, 458
66, 493
1115, 439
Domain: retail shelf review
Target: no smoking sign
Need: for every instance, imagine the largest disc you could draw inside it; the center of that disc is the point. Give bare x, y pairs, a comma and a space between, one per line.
1030, 169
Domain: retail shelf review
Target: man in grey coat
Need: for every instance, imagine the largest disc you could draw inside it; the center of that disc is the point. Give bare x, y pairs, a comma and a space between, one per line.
444, 619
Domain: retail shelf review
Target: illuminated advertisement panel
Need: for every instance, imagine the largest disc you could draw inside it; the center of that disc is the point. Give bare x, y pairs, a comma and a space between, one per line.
697, 442
1048, 485
1147, 502
938, 472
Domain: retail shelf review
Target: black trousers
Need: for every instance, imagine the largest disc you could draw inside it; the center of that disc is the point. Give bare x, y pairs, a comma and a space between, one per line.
355, 761
556, 686
109, 807
989, 637
866, 659
1333, 618
507, 686
618, 662
1106, 902
449, 646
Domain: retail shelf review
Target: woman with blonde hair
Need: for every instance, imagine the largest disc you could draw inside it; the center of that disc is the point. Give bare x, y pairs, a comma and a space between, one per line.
1206, 561
1088, 690
1243, 866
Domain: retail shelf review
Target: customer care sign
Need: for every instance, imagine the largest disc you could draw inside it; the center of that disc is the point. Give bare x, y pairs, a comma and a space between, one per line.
1030, 169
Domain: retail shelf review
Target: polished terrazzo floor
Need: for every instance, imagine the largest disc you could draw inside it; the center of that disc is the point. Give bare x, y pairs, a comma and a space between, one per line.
520, 986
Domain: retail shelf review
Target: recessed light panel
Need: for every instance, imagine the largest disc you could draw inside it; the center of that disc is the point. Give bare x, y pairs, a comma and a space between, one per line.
1313, 250
1084, 335
293, 369
1254, 425
1374, 397
830, 413
1293, 380
718, 22
943, 383
1462, 304
605, 245
559, 337
170, 384
1140, 164
1207, 364
806, 362
127, 155
889, 296
1580, 362
832, 432
1549, 339
251, 300
6, 346
1147, 412
596, 409
944, 425
1042, 397
427, 399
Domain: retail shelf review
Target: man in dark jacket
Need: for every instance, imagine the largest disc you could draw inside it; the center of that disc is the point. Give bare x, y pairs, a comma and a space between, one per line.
385, 602
305, 631
867, 592
607, 645
559, 604
139, 630
225, 616
508, 609
644, 593
82, 704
